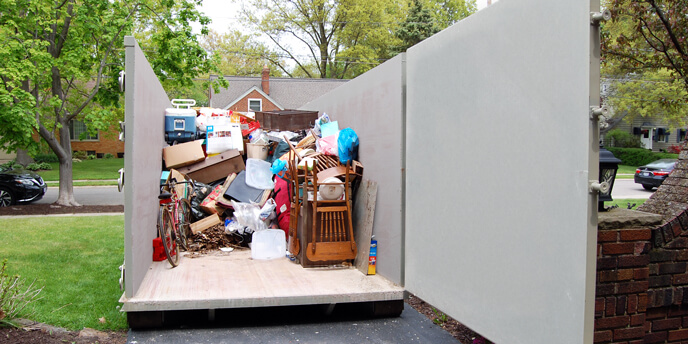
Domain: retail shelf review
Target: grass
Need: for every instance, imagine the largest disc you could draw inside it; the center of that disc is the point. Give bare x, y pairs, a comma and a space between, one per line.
97, 169
623, 203
87, 183
625, 169
76, 260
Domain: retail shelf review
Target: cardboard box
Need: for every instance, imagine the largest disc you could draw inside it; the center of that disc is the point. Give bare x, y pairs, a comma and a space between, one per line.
183, 154
215, 167
203, 224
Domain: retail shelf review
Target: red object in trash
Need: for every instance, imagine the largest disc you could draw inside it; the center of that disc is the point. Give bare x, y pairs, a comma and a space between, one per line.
158, 250
247, 127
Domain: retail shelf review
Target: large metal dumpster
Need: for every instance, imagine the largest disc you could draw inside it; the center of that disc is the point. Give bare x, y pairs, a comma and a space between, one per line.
484, 149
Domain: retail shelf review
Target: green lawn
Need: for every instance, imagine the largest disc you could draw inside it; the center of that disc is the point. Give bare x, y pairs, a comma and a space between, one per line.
625, 169
96, 169
623, 203
76, 260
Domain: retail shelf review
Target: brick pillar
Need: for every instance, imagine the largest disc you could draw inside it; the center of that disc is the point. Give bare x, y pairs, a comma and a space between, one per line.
623, 258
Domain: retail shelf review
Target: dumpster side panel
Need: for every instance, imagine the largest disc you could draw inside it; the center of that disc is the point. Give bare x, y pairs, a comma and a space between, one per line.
498, 147
372, 105
145, 103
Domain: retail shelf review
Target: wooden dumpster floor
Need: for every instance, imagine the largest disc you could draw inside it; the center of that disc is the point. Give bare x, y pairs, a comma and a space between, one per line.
234, 280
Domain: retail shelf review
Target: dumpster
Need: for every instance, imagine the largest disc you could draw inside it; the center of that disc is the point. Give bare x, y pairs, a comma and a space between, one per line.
484, 149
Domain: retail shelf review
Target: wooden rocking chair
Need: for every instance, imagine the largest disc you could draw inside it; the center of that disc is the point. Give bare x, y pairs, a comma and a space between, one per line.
332, 235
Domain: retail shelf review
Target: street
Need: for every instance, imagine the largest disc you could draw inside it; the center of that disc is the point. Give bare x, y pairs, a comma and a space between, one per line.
628, 189
88, 195
108, 195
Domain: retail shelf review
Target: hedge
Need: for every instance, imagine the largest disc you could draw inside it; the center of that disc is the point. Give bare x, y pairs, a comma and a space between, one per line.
638, 156
39, 158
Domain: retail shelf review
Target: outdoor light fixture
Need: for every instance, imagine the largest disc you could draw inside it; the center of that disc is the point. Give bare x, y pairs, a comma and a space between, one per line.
609, 164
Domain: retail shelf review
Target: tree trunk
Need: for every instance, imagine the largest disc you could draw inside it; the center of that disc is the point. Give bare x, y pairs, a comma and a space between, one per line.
66, 193
23, 157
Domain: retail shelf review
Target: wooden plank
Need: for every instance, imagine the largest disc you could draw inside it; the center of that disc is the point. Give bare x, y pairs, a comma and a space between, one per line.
205, 223
363, 215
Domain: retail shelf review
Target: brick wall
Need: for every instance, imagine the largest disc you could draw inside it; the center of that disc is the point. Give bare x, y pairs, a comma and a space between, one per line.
642, 278
108, 142
623, 276
242, 105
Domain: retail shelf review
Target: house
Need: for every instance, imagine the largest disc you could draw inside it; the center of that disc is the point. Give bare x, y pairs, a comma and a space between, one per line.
268, 94
654, 132
103, 142
5, 156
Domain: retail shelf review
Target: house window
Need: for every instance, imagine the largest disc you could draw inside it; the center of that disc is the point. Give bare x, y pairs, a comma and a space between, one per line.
76, 128
255, 105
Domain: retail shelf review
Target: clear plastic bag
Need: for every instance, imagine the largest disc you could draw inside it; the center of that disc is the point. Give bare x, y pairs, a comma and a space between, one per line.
248, 215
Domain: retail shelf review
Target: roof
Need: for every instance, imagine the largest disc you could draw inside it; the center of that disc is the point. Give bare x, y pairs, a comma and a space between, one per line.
288, 93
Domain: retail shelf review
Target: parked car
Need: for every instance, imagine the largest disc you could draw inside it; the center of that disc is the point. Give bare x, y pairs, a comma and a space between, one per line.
653, 174
20, 186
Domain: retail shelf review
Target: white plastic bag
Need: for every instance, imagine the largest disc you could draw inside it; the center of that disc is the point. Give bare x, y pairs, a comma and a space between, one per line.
267, 213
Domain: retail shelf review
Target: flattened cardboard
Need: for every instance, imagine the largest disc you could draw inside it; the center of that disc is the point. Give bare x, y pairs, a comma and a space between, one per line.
200, 226
183, 154
216, 167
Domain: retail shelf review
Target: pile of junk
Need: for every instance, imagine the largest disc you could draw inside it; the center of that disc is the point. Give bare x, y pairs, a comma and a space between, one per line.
281, 183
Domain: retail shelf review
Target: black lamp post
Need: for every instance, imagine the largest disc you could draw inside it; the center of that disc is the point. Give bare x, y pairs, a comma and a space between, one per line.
609, 164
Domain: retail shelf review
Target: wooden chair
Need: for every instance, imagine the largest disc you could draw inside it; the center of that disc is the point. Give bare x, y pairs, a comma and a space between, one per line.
332, 235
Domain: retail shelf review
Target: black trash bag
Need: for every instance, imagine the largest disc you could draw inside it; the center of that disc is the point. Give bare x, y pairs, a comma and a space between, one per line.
202, 191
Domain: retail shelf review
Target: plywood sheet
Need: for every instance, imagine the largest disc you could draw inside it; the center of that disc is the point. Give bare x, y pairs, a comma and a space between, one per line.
234, 280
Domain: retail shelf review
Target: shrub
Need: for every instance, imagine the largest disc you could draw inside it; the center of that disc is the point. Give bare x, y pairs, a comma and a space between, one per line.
33, 166
108, 156
620, 138
14, 296
639, 156
81, 155
8, 164
674, 149
39, 158
45, 166
91, 157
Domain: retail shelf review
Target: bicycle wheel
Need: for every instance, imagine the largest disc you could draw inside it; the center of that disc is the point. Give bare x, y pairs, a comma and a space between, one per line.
166, 229
183, 222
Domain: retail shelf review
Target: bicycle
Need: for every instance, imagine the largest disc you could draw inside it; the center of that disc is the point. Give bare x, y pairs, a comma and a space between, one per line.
174, 220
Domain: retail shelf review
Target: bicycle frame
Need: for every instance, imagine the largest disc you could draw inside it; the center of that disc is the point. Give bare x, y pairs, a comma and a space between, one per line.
170, 204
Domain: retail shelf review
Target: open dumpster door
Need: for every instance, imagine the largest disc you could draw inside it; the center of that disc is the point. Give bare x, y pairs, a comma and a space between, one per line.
500, 225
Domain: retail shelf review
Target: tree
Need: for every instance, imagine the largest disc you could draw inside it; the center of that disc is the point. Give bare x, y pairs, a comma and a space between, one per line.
656, 37
336, 35
61, 59
418, 26
650, 94
644, 58
449, 12
239, 54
